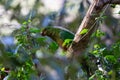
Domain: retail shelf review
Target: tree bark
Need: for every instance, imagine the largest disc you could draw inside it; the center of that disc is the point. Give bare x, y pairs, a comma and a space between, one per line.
89, 22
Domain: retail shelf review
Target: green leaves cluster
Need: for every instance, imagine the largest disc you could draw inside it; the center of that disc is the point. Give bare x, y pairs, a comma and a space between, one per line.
21, 61
109, 59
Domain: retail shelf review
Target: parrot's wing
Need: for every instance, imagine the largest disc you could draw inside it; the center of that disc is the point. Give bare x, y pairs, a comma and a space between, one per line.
66, 35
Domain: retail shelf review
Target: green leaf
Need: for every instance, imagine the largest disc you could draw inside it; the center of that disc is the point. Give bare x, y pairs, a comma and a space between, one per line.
29, 20
53, 47
67, 42
24, 23
99, 33
110, 72
84, 31
34, 30
97, 46
3, 69
111, 58
98, 73
92, 77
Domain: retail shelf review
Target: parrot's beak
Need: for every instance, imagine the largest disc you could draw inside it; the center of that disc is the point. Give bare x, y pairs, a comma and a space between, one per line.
42, 33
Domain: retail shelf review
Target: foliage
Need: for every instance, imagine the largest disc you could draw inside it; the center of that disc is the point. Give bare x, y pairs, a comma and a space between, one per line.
109, 60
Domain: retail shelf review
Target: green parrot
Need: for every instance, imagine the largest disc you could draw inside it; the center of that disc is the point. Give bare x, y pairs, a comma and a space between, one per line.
61, 36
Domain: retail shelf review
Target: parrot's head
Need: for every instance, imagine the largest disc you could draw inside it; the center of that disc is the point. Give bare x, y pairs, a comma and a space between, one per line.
44, 32
61, 36
47, 31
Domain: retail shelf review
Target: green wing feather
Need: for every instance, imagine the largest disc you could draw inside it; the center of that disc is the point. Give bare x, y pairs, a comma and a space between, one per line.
66, 35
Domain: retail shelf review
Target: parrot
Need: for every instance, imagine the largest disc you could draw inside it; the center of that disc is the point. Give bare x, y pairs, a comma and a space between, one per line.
60, 35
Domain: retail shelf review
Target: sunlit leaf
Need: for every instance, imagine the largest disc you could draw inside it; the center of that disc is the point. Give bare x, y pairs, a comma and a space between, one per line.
67, 42
29, 20
2, 69
24, 22
99, 33
110, 72
96, 46
84, 31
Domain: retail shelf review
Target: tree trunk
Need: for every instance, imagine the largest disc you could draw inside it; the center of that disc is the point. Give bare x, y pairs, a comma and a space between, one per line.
89, 23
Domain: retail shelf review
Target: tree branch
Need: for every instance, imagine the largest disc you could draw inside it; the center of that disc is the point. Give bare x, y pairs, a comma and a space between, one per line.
89, 22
